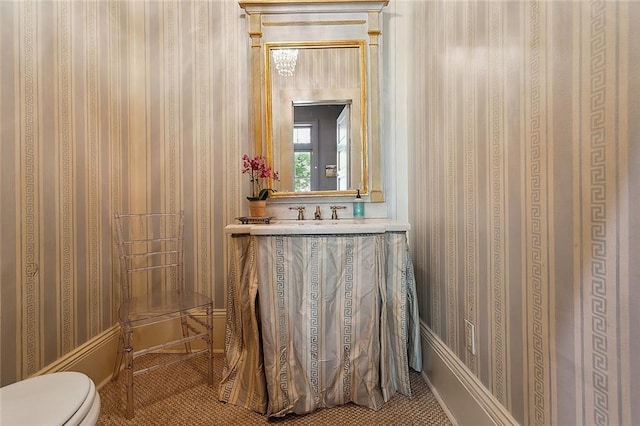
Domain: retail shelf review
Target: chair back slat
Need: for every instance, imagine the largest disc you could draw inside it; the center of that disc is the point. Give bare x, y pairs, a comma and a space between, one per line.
150, 249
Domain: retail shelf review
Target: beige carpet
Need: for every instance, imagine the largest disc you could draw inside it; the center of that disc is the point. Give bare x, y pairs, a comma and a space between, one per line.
178, 395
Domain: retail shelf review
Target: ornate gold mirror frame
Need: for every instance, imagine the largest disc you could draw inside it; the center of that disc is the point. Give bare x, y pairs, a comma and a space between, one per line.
278, 22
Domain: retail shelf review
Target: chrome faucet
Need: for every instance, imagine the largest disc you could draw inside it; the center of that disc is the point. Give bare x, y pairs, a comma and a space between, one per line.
300, 211
318, 214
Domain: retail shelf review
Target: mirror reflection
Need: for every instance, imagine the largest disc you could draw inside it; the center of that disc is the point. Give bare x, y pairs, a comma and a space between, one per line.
321, 145
316, 116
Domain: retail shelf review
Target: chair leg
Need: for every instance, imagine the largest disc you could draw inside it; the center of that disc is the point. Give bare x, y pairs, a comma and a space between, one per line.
210, 343
128, 354
185, 332
118, 364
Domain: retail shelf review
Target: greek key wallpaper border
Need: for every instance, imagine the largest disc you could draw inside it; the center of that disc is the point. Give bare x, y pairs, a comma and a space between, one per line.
527, 131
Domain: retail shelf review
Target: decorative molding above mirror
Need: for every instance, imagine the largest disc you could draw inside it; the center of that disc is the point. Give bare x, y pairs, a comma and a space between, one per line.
325, 55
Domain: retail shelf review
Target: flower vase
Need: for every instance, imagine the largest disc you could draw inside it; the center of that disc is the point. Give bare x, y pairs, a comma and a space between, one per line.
257, 208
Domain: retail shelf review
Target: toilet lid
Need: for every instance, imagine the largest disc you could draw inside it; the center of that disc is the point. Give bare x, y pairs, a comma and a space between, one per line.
50, 399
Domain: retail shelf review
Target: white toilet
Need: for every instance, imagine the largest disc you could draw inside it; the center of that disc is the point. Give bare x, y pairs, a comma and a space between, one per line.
65, 398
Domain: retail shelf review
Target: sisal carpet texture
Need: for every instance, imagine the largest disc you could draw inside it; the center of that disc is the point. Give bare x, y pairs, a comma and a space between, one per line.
179, 395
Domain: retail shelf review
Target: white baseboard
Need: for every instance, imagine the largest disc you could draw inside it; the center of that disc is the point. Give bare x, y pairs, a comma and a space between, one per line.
460, 392
441, 401
96, 357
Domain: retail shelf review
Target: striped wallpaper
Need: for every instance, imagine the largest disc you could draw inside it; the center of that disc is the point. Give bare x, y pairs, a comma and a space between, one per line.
523, 146
525, 157
110, 105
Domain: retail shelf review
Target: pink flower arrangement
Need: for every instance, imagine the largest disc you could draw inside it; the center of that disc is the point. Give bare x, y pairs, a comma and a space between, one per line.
259, 171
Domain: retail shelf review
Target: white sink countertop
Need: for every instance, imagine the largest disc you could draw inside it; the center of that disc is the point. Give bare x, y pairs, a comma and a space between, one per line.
320, 227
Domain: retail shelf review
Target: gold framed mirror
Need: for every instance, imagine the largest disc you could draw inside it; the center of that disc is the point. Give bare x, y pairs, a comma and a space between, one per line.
316, 116
329, 27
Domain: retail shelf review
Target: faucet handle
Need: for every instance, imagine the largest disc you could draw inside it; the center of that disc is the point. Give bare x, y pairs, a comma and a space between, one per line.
334, 211
300, 211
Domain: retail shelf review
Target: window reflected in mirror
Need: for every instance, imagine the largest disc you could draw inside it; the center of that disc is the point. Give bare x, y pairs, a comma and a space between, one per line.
302, 157
321, 144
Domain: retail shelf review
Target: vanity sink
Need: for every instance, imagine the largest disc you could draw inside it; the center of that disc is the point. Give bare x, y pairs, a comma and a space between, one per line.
340, 226
320, 227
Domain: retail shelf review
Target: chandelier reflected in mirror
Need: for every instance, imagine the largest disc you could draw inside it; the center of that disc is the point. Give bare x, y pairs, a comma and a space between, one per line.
285, 60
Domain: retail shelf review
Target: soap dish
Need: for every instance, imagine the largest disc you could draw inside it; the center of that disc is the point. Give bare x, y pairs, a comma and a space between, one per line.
246, 220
